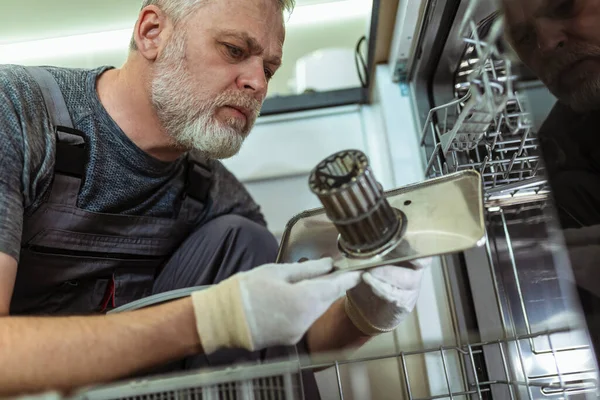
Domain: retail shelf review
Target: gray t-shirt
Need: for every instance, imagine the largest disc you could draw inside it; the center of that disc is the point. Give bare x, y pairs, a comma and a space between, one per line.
120, 178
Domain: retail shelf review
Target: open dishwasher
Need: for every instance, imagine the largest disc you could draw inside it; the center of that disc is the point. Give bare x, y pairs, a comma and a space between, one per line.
520, 332
477, 107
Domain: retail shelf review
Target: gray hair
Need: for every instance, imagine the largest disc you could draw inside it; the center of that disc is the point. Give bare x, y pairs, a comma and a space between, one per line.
177, 10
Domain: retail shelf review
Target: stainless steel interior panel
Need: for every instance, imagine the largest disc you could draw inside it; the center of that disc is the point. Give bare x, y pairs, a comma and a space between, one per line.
530, 298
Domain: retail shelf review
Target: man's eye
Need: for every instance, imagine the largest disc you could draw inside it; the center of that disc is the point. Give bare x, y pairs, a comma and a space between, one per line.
522, 37
268, 74
234, 51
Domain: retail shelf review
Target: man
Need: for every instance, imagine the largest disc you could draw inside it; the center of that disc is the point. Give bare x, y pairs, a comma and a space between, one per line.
110, 191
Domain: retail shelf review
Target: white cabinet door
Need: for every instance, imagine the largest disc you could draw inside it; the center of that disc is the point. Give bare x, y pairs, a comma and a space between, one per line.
292, 144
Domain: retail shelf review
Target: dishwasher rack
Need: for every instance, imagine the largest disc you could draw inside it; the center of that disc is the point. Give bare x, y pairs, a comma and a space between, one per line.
486, 127
282, 380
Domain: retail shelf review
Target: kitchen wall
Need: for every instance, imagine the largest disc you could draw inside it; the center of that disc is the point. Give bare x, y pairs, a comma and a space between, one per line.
87, 34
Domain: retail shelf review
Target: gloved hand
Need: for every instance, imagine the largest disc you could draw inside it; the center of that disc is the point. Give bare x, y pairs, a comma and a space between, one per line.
274, 304
385, 297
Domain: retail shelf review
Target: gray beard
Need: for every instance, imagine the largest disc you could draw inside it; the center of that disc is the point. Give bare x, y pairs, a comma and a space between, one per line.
584, 98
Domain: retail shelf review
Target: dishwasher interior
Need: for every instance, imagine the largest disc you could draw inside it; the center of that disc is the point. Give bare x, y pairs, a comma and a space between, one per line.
520, 332
481, 117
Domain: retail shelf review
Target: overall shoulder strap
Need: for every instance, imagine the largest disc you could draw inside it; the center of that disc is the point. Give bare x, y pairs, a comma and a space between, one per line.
198, 182
70, 144
71, 156
55, 102
199, 177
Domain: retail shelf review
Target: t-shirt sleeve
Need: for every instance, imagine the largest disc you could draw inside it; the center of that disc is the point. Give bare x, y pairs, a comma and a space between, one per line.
25, 153
229, 196
11, 171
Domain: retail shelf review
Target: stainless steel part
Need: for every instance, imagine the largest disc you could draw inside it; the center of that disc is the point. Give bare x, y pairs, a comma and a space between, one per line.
442, 215
353, 200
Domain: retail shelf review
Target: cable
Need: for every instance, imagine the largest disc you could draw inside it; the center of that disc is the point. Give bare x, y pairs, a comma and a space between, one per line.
361, 66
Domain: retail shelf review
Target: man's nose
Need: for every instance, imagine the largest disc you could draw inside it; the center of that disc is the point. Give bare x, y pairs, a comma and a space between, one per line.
252, 78
550, 35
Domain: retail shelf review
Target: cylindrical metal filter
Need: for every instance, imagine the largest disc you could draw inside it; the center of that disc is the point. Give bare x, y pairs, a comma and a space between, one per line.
354, 202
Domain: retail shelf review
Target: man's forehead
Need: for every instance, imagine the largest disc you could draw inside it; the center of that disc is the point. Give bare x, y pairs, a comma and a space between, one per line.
251, 21
520, 11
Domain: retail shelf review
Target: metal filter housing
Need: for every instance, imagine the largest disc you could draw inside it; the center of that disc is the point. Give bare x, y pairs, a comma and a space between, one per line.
355, 203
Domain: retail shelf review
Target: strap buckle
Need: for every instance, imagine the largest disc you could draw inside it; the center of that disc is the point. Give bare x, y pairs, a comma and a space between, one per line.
198, 181
71, 154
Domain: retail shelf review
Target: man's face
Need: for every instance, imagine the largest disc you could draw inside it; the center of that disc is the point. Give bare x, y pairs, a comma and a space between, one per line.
559, 40
212, 77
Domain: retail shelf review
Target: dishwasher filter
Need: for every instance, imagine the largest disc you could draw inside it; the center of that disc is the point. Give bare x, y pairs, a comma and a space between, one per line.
360, 226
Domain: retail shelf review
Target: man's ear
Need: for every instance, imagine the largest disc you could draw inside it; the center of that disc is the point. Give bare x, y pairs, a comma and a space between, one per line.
150, 32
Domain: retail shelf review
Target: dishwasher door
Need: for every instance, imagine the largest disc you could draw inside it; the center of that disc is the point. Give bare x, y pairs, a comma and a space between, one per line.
517, 294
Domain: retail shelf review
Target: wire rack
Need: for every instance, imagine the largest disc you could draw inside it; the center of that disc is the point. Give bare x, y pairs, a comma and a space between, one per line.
514, 377
282, 381
486, 127
274, 381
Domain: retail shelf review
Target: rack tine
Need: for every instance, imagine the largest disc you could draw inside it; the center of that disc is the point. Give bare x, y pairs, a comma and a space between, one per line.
433, 158
446, 373
339, 380
406, 380
556, 363
510, 166
472, 359
506, 372
523, 141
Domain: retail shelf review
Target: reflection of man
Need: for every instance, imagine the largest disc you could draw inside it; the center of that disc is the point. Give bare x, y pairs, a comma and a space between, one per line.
559, 40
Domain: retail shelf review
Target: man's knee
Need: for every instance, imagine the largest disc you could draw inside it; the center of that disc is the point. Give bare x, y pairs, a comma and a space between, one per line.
231, 240
241, 233
217, 250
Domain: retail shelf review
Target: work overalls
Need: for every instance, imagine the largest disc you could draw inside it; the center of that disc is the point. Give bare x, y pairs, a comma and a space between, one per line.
79, 262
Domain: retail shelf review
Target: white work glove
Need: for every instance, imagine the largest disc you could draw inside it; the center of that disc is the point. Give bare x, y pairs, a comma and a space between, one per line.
274, 304
385, 297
